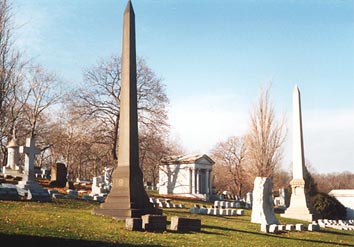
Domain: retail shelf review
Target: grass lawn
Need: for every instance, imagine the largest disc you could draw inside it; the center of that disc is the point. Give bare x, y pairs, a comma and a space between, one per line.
65, 222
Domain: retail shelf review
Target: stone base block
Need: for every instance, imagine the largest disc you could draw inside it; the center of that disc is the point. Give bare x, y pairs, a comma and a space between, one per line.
185, 224
133, 224
154, 223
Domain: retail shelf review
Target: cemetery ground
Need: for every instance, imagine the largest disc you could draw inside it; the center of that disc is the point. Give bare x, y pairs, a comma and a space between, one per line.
69, 222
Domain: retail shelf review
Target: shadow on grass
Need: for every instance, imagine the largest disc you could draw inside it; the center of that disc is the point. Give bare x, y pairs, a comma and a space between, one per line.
337, 233
281, 237
26, 240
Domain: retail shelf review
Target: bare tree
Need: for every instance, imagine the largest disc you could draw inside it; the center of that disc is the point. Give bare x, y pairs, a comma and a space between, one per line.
43, 93
154, 146
99, 99
230, 159
11, 78
265, 137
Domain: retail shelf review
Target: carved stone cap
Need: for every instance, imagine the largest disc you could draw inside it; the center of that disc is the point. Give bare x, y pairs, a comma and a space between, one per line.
297, 182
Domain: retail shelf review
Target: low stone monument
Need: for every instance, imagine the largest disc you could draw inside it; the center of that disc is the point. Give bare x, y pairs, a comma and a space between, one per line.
262, 209
58, 175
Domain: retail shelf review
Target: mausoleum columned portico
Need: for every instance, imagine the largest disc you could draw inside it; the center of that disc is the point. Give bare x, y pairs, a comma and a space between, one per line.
189, 175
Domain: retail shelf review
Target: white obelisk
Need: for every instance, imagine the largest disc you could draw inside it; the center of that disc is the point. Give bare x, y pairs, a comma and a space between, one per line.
299, 203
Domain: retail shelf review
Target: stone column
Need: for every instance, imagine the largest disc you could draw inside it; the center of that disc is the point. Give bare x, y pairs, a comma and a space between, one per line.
198, 181
207, 191
210, 183
193, 181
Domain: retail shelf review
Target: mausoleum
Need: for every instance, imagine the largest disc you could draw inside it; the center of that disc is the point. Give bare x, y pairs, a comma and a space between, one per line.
346, 197
186, 175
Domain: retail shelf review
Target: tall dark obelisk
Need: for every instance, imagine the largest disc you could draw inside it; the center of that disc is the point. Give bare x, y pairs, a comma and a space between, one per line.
127, 197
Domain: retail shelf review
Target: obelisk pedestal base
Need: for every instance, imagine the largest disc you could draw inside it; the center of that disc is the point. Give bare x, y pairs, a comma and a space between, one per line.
299, 206
126, 201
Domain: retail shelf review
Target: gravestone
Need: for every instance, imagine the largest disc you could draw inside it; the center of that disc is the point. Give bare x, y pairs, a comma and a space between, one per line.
8, 193
30, 150
299, 203
263, 210
128, 198
58, 175
39, 195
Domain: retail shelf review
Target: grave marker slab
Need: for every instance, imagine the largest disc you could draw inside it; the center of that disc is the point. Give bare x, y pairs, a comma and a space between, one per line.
9, 194
181, 224
39, 195
154, 223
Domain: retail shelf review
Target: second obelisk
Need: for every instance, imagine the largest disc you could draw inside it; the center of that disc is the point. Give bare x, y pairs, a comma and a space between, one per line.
300, 207
127, 197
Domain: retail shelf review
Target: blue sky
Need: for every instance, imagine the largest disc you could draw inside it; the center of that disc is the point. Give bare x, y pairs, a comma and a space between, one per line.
213, 56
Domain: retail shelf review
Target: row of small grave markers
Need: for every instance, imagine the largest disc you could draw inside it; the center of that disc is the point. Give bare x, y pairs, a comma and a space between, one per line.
337, 224
274, 228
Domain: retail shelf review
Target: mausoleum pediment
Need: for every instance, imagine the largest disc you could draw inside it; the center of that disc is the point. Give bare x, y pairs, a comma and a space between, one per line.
189, 159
